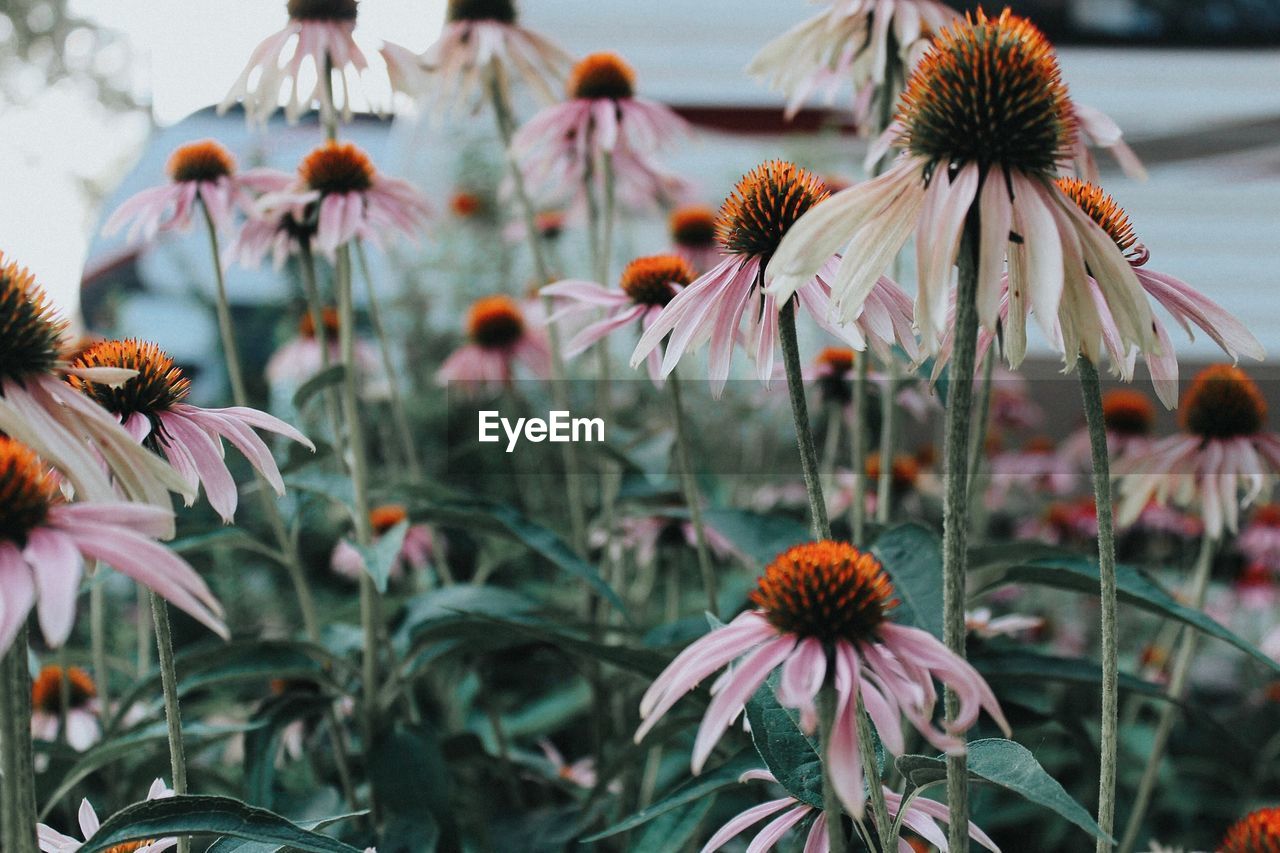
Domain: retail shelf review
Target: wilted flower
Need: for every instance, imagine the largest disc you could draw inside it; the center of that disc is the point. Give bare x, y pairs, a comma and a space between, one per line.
1221, 461
416, 549
69, 431
813, 598
81, 708
44, 542
153, 409
498, 337
648, 284
985, 122
52, 841
1096, 129
204, 172
763, 207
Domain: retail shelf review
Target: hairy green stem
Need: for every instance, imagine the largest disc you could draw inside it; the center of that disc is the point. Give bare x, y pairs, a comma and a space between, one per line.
888, 437
98, 640
1091, 391
1177, 687
955, 510
691, 499
17, 792
827, 699
172, 709
800, 415
977, 446
858, 449
871, 769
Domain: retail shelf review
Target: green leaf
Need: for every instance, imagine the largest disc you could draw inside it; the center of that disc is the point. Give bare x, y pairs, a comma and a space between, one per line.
263, 743
330, 376
202, 815
1008, 765
760, 536
1133, 586
410, 777
673, 830
912, 555
690, 791
791, 756
380, 557
231, 845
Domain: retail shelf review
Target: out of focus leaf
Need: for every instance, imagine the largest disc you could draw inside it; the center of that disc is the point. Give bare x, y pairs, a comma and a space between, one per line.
1011, 766
202, 815
410, 777
263, 743
231, 845
690, 791
327, 378
380, 557
912, 556
673, 830
1133, 586
759, 536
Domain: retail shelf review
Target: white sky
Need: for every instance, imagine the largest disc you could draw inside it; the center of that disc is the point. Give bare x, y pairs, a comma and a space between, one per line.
185, 55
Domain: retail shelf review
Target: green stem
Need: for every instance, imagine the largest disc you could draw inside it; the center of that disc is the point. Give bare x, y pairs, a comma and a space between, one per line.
978, 445
888, 436
1091, 390
858, 449
144, 636
871, 768
240, 396
17, 785
800, 415
98, 640
358, 466
398, 412
827, 699
172, 710
573, 484
691, 499
1177, 687
955, 509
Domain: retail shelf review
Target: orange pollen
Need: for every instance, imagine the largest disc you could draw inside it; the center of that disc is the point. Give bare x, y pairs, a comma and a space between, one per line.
1257, 832
905, 469
1222, 403
465, 204
764, 205
989, 91
839, 360
828, 590
328, 317
206, 160
27, 491
1111, 217
602, 75
694, 226
383, 518
159, 386
1267, 515
495, 322
337, 167
46, 690
1128, 412
30, 332
651, 280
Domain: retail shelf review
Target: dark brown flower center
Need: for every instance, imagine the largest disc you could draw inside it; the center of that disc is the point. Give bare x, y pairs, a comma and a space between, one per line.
694, 227
495, 322
46, 690
159, 386
27, 491
764, 205
1111, 217
337, 167
989, 91
1127, 412
827, 590
602, 75
503, 11
651, 280
322, 10
30, 333
205, 160
1223, 402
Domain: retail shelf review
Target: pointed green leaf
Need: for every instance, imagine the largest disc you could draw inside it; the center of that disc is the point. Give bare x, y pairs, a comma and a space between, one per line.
912, 555
380, 557
791, 755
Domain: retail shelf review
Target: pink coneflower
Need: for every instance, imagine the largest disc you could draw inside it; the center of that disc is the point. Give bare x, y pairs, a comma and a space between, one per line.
640, 537
581, 773
416, 550
985, 122
481, 38
752, 222
1037, 468
1062, 523
320, 38
1129, 417
344, 198
1260, 539
52, 841
153, 409
69, 431
822, 604
1221, 461
693, 235
922, 817
648, 284
602, 116
301, 357
81, 710
203, 171
865, 44
499, 337
44, 542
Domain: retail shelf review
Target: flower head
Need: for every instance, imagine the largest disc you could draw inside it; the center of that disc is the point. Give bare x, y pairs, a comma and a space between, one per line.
498, 337
602, 75
1127, 412
152, 407
1223, 403
752, 222
1256, 832
417, 548
825, 604
81, 707
693, 234
52, 841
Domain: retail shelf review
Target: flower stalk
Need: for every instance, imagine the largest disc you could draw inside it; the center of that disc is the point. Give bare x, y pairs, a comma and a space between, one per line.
172, 709
955, 507
888, 436
692, 500
867, 748
858, 450
18, 784
98, 639
800, 414
831, 808
1091, 389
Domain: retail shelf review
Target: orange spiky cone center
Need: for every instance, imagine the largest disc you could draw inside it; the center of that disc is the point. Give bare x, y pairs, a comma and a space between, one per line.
828, 590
